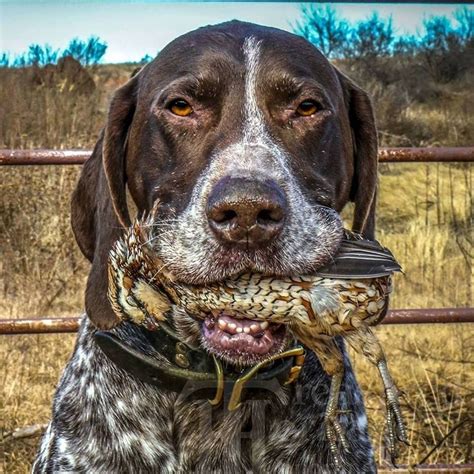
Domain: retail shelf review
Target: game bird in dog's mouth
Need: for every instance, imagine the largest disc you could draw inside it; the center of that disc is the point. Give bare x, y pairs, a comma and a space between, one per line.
257, 314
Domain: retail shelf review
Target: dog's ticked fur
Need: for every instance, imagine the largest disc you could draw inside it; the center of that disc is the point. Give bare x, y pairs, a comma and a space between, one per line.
105, 421
244, 83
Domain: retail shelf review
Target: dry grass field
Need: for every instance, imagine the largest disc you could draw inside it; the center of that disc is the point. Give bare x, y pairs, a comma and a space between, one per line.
425, 217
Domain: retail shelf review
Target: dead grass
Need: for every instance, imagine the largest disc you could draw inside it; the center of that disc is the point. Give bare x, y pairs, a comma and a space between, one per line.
425, 217
433, 367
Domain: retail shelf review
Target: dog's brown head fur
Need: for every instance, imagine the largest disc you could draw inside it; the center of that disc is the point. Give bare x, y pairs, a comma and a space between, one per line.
244, 85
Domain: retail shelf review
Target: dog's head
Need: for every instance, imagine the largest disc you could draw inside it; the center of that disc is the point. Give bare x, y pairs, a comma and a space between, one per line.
251, 141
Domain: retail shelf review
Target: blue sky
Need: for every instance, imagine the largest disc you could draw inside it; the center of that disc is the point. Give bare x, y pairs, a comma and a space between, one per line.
133, 29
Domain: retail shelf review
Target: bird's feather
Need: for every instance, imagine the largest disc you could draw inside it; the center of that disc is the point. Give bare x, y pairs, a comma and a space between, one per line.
360, 258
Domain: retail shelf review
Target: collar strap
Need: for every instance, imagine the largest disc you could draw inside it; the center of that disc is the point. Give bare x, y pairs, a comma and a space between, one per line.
192, 372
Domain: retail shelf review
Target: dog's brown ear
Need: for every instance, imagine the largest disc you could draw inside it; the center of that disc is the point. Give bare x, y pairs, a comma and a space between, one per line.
364, 139
120, 117
99, 203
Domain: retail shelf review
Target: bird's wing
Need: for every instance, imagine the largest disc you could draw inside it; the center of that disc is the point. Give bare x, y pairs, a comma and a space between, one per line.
360, 258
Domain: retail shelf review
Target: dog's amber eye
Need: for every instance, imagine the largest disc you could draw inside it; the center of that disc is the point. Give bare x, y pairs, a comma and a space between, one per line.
181, 107
307, 108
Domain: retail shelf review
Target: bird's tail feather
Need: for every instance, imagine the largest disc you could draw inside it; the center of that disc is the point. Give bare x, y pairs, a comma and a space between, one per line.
360, 258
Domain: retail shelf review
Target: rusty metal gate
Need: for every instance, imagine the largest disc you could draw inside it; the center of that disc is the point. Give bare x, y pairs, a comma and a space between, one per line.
37, 325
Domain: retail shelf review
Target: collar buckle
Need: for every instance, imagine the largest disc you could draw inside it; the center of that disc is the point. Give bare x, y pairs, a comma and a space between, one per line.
235, 398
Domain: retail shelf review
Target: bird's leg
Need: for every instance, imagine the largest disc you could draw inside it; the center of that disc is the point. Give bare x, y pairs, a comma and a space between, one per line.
366, 342
334, 431
395, 426
330, 357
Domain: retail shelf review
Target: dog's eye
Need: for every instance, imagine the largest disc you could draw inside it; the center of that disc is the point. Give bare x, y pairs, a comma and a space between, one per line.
307, 108
180, 107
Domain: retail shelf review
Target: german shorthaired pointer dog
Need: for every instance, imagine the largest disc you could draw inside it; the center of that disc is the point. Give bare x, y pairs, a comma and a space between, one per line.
253, 143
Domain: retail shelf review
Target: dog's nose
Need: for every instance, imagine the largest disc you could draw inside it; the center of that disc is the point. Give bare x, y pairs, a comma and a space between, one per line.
246, 211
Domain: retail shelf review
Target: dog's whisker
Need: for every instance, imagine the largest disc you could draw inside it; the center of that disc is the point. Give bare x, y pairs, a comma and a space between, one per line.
156, 237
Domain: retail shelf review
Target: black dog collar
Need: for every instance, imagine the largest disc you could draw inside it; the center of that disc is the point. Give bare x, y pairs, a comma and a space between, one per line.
160, 358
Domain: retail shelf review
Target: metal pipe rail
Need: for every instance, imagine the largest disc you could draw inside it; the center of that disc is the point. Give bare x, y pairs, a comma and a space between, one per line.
386, 155
428, 469
43, 157
395, 316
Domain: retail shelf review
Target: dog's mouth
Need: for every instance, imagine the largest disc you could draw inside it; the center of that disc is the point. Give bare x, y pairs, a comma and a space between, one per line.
242, 342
